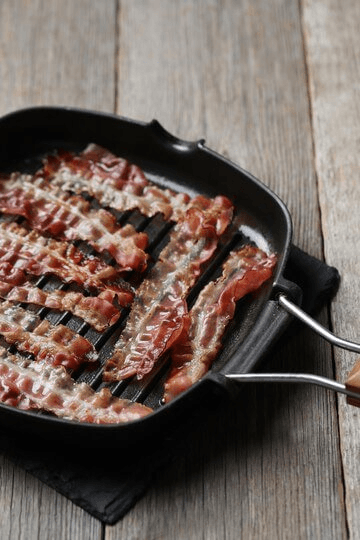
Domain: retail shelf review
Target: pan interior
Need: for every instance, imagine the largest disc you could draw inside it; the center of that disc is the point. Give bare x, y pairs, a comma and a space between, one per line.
27, 136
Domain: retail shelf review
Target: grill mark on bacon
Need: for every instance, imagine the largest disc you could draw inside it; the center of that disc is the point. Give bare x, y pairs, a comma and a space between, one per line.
159, 309
97, 311
192, 355
58, 345
25, 253
113, 182
49, 209
39, 386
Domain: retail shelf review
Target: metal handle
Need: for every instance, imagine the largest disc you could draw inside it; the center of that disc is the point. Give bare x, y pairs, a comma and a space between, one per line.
351, 387
353, 395
292, 308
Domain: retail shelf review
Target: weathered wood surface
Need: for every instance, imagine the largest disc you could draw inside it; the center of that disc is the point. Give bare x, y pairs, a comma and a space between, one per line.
273, 86
332, 41
55, 53
207, 73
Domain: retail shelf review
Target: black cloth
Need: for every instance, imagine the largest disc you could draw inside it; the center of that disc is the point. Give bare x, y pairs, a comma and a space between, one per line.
107, 486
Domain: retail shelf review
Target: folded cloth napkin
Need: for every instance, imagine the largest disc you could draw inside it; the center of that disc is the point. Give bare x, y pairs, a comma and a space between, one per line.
108, 487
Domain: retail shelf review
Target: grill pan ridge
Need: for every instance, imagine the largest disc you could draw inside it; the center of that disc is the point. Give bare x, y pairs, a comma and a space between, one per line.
28, 135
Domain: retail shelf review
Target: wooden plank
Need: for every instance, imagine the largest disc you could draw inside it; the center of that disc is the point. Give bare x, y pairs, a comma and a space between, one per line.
32, 510
234, 72
52, 52
229, 75
57, 53
332, 38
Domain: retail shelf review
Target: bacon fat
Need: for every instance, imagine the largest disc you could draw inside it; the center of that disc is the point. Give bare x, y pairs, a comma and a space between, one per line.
243, 272
25, 253
58, 345
98, 311
50, 210
159, 309
113, 182
31, 385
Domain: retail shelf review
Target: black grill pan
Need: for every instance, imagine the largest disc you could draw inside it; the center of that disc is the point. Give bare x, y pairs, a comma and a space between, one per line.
27, 135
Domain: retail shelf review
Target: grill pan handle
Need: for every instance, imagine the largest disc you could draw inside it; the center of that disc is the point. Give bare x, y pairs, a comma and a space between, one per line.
351, 388
293, 309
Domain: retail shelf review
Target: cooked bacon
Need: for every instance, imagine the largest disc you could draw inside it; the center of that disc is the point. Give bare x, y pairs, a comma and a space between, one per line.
243, 272
209, 213
100, 162
25, 253
113, 182
159, 310
50, 210
98, 311
57, 345
39, 386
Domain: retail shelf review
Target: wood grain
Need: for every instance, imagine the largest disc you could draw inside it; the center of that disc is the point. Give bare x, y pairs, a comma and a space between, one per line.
57, 53
52, 53
203, 70
235, 74
333, 53
32, 510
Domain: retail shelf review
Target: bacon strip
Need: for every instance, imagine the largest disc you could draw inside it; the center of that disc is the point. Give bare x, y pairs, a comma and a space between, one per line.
113, 182
50, 210
159, 308
57, 345
37, 385
98, 311
192, 355
25, 253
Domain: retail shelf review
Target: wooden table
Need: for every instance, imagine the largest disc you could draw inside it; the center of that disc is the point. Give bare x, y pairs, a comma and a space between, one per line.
274, 86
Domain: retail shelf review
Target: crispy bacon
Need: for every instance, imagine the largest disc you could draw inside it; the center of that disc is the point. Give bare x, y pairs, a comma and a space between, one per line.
98, 311
100, 162
25, 253
58, 345
243, 272
159, 310
37, 385
113, 182
50, 210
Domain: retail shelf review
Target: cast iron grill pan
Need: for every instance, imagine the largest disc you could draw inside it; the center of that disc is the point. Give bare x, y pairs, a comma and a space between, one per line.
27, 136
